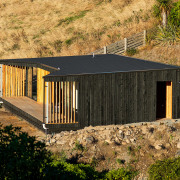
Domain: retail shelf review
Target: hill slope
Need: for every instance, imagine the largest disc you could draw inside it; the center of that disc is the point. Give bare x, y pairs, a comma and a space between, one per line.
35, 28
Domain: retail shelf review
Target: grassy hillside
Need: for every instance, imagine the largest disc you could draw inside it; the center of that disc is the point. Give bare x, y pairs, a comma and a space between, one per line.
168, 54
36, 28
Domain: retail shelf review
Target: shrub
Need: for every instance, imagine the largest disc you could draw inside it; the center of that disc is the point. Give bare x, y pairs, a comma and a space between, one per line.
170, 34
57, 45
21, 156
174, 16
65, 171
165, 170
131, 52
69, 42
120, 174
70, 19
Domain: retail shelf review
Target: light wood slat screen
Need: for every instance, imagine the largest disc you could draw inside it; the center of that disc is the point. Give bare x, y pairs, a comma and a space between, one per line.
40, 83
62, 102
14, 78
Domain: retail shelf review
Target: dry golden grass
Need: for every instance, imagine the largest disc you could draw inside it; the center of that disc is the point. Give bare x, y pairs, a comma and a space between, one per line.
29, 28
168, 54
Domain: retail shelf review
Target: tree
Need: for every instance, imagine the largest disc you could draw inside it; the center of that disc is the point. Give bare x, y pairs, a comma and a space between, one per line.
162, 9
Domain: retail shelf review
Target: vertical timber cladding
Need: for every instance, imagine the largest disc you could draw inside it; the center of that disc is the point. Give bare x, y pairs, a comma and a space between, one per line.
120, 98
40, 84
62, 99
13, 81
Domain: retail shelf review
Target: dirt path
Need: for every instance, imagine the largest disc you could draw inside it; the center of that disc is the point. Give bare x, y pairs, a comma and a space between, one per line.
7, 118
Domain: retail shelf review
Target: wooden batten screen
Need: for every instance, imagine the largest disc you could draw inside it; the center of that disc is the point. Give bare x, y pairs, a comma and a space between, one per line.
14, 81
40, 83
62, 105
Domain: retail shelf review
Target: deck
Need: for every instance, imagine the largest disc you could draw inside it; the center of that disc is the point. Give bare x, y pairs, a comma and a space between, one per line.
25, 108
32, 111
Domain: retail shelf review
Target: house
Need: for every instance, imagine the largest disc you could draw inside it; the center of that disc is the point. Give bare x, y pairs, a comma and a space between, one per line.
69, 93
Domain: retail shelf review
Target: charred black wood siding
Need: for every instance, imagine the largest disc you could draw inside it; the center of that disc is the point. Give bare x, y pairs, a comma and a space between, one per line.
120, 98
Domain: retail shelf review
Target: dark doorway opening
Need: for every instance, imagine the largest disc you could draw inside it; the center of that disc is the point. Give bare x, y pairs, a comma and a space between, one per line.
161, 100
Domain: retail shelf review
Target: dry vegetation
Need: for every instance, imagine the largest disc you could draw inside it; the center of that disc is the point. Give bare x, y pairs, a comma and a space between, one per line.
36, 28
163, 53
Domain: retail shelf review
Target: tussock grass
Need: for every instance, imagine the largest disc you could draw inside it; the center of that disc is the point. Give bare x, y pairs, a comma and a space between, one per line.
54, 28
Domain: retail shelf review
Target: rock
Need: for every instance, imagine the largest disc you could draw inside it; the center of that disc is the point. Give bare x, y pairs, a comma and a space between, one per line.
121, 134
144, 129
57, 136
71, 143
128, 133
178, 145
60, 142
52, 140
158, 146
90, 139
123, 143
133, 140
177, 154
47, 143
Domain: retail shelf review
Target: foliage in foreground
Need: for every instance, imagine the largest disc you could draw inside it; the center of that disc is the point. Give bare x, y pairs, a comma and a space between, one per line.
165, 170
23, 157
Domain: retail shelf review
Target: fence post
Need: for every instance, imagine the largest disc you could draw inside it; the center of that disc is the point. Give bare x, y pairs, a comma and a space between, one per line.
105, 49
125, 44
144, 37
1, 79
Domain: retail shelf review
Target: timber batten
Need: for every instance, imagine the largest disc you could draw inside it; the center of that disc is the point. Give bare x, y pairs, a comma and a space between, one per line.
62, 102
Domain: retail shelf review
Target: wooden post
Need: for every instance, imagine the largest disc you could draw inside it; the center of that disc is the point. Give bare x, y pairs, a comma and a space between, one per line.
71, 102
6, 94
14, 85
125, 44
23, 81
11, 76
65, 106
68, 101
4, 80
1, 80
16, 81
50, 100
19, 81
9, 81
53, 101
29, 81
62, 102
56, 102
144, 37
74, 99
105, 50
46, 99
59, 102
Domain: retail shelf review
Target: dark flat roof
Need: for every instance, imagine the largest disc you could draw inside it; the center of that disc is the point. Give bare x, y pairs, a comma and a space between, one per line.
107, 63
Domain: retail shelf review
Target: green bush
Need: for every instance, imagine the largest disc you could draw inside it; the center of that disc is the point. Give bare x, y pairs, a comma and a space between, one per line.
70, 19
21, 156
170, 34
65, 171
122, 174
131, 52
174, 16
165, 170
